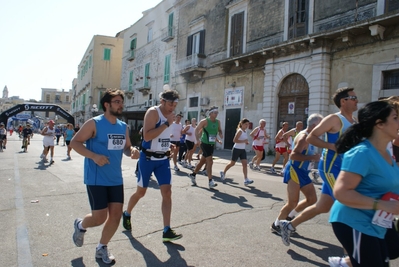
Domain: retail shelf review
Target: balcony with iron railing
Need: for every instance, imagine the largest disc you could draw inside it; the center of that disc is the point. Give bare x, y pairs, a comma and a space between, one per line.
143, 85
192, 66
131, 54
168, 33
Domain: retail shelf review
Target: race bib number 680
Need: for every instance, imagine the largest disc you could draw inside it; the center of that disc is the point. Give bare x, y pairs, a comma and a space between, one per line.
116, 141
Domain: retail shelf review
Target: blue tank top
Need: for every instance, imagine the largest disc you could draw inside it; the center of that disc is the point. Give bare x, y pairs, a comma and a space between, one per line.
310, 150
331, 159
110, 141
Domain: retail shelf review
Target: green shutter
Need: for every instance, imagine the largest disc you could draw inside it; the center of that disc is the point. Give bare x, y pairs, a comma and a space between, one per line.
131, 81
146, 74
107, 54
133, 45
166, 75
170, 25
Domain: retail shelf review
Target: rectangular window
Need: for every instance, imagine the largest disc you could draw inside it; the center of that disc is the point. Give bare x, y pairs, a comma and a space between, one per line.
170, 25
193, 102
133, 45
390, 79
107, 54
147, 75
90, 61
84, 99
149, 36
298, 18
47, 98
131, 81
237, 34
196, 43
166, 75
57, 99
67, 98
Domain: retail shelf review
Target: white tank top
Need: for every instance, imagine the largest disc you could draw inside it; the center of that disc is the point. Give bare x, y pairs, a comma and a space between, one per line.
243, 136
281, 143
175, 130
49, 137
261, 135
162, 141
192, 136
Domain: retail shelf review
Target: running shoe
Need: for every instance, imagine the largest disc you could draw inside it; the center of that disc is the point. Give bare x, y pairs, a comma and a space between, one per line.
251, 165
222, 176
336, 261
256, 168
272, 170
248, 181
126, 221
286, 230
176, 168
78, 235
192, 177
212, 184
170, 236
275, 229
290, 218
105, 255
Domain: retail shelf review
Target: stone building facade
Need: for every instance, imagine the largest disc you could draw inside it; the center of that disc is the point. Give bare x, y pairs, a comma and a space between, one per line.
100, 68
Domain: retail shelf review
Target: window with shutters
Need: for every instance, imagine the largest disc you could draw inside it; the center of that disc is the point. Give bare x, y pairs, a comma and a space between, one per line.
133, 45
391, 5
166, 75
390, 79
149, 35
147, 75
297, 18
47, 98
107, 54
237, 34
67, 98
131, 81
196, 43
170, 25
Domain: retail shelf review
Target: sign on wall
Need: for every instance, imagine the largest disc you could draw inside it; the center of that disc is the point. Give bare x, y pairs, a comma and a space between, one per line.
233, 97
291, 107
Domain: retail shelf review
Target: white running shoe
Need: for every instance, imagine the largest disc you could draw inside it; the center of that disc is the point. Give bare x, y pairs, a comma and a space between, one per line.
176, 168
286, 230
192, 177
222, 176
251, 165
248, 181
337, 262
105, 255
212, 184
272, 170
256, 168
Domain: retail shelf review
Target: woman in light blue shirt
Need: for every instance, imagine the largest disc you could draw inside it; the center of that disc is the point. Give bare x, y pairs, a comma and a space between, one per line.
368, 172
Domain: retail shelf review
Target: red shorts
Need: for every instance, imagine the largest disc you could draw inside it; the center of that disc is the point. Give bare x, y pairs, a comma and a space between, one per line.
259, 148
281, 150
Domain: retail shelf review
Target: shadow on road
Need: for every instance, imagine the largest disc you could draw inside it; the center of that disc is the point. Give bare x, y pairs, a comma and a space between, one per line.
152, 260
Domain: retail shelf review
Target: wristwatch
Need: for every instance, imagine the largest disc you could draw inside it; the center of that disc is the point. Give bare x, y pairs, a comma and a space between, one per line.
166, 123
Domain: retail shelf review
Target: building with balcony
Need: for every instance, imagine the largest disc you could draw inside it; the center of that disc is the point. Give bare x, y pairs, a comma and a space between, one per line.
149, 53
99, 69
283, 60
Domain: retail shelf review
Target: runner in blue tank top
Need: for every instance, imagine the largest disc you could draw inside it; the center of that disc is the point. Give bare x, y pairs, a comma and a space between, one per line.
154, 158
107, 139
330, 164
296, 175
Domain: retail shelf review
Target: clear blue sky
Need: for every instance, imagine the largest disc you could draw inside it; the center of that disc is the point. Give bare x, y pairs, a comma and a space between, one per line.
43, 41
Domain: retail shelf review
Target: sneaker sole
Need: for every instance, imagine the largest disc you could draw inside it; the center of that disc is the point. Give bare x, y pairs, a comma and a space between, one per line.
171, 239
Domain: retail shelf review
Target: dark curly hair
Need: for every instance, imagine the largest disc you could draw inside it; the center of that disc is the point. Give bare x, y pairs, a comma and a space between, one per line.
369, 115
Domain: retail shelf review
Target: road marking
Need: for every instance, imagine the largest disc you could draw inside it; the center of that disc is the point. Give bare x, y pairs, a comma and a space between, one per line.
24, 255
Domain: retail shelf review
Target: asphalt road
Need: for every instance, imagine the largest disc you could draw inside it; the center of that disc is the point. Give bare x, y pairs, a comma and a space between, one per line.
228, 226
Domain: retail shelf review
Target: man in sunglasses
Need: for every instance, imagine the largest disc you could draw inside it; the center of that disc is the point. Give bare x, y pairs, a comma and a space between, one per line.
332, 127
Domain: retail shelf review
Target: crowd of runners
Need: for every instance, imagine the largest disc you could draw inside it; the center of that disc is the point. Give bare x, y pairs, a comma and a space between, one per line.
356, 159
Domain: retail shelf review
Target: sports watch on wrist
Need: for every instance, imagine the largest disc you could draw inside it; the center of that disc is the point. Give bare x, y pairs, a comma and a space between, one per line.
166, 123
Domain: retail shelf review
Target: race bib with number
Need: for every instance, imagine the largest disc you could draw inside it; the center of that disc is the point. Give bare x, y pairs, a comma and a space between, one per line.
212, 138
163, 144
383, 218
116, 141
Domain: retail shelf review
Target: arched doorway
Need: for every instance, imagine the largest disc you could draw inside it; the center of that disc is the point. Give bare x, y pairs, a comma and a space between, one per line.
293, 100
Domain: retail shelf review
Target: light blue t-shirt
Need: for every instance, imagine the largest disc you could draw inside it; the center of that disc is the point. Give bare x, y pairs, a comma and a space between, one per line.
110, 141
69, 134
378, 178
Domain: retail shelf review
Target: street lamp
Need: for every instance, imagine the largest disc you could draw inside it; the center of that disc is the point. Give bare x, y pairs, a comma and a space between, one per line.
94, 110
